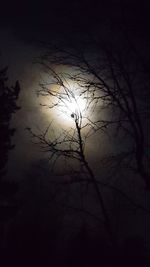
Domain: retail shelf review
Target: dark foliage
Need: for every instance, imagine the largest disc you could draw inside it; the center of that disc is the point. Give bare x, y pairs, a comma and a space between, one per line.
8, 106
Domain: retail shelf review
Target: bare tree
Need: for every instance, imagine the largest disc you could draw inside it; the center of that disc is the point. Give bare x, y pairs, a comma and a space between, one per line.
70, 144
113, 80
79, 85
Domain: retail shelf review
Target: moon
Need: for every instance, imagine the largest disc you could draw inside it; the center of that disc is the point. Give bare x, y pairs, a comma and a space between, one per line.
65, 105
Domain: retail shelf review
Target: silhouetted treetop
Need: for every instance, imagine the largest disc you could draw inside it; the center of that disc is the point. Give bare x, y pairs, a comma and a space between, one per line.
8, 106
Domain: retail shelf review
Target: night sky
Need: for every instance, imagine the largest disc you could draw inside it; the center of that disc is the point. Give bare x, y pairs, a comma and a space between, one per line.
51, 224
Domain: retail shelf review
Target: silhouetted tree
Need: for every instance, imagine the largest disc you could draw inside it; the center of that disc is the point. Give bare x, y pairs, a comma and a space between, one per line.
113, 74
8, 106
101, 79
70, 144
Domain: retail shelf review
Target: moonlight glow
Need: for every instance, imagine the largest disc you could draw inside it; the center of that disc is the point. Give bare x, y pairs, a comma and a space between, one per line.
66, 104
74, 107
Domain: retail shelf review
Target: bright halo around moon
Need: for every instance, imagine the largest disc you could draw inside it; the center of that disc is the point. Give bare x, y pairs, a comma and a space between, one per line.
68, 104
73, 108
